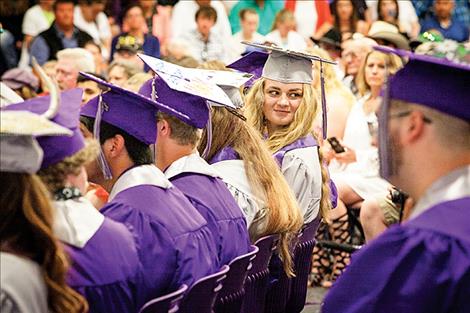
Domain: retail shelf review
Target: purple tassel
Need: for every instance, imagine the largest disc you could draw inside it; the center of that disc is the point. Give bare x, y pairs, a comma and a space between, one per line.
96, 134
323, 102
209, 135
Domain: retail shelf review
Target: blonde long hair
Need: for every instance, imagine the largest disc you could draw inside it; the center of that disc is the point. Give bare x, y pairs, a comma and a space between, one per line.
301, 126
264, 176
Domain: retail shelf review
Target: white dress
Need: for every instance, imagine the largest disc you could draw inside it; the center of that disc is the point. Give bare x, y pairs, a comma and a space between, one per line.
294, 40
362, 176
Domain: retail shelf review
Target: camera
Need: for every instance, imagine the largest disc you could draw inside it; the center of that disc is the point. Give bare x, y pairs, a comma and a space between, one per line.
398, 197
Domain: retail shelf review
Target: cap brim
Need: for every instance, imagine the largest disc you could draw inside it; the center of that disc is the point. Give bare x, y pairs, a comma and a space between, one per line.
398, 40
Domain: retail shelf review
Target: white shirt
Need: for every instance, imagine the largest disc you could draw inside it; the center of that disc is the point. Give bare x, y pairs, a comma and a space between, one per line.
238, 48
453, 186
306, 17
99, 29
34, 21
213, 49
183, 19
192, 163
294, 40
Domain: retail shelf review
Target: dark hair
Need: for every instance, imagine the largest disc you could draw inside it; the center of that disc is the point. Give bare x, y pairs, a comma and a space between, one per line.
139, 152
207, 12
354, 17
90, 2
130, 7
57, 2
380, 16
245, 11
82, 78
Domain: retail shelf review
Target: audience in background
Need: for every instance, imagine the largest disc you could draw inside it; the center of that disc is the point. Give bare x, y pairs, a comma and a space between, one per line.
346, 19
101, 65
158, 20
266, 10
22, 81
283, 33
120, 71
313, 17
69, 63
249, 22
400, 13
387, 34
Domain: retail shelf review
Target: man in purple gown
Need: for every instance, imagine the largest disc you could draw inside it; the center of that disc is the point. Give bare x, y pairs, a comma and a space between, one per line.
422, 265
174, 243
177, 156
105, 267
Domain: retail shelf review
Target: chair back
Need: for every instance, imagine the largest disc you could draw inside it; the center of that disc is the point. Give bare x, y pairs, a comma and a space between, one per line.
256, 282
165, 304
230, 298
201, 296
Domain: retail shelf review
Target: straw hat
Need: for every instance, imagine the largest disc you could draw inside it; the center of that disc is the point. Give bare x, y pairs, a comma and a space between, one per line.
380, 30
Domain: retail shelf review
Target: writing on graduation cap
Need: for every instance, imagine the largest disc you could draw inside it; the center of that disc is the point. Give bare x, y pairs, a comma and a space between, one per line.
202, 83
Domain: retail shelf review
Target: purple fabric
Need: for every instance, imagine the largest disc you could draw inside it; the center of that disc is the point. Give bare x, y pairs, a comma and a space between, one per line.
252, 63
57, 148
127, 110
107, 271
304, 142
420, 266
222, 213
224, 154
193, 107
434, 82
175, 245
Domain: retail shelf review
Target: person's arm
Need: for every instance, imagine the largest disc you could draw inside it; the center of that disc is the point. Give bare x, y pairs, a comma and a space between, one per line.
40, 50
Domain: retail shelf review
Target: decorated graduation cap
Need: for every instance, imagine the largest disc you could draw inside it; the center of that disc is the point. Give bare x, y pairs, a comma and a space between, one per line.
289, 66
427, 80
126, 110
253, 63
20, 151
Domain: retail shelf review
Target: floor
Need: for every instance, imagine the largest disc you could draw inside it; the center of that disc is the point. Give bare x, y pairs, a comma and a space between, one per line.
314, 299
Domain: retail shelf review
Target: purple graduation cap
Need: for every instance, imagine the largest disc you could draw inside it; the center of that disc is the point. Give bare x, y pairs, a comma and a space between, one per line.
253, 63
126, 110
426, 80
57, 148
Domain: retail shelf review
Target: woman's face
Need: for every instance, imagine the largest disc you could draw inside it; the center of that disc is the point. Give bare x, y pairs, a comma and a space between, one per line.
281, 101
344, 9
375, 70
388, 9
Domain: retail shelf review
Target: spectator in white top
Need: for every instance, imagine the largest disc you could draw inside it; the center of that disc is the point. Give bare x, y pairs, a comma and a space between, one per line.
203, 42
283, 33
180, 24
89, 17
401, 13
249, 22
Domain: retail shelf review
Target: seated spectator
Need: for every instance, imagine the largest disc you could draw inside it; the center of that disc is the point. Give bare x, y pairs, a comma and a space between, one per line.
283, 33
135, 21
120, 71
90, 88
461, 11
127, 48
249, 21
203, 42
178, 53
346, 20
136, 81
69, 63
62, 34
182, 24
101, 66
399, 13
266, 10
331, 43
89, 17
22, 81
49, 69
443, 21
158, 19
387, 34
313, 17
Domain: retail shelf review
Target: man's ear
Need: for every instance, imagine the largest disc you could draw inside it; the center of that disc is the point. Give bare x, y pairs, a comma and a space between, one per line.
414, 127
163, 128
115, 146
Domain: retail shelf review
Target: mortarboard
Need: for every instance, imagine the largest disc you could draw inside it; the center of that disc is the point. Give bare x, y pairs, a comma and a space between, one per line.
253, 63
126, 110
437, 83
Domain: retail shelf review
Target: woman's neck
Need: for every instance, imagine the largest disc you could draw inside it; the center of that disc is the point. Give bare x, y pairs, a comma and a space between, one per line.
375, 92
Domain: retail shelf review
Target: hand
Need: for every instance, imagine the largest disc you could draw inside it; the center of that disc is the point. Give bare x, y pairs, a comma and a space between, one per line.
346, 157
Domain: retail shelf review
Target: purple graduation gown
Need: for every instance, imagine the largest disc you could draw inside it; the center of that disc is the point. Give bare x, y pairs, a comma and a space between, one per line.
175, 245
106, 271
211, 197
420, 266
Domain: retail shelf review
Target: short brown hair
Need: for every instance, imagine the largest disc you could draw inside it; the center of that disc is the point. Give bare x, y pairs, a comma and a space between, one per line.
243, 13
184, 134
207, 12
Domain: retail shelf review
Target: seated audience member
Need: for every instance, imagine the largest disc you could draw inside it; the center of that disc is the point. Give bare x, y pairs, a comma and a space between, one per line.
354, 52
442, 20
135, 21
136, 81
90, 88
120, 71
33, 265
49, 69
22, 81
89, 17
331, 43
266, 10
101, 66
93, 242
168, 229
69, 63
181, 23
399, 13
426, 142
387, 34
127, 48
61, 35
346, 19
313, 17
283, 33
249, 21
157, 16
178, 53
177, 157
203, 42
